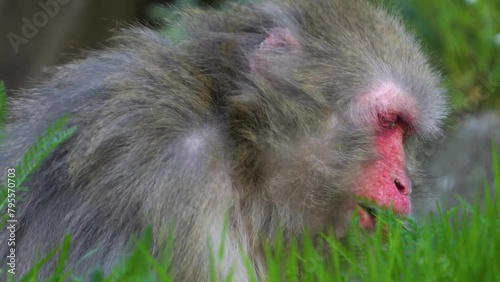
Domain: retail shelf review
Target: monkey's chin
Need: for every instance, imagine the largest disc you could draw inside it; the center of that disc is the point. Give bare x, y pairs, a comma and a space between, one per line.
367, 218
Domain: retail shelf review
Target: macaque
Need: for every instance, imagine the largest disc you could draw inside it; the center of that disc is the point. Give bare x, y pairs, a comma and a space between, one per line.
286, 115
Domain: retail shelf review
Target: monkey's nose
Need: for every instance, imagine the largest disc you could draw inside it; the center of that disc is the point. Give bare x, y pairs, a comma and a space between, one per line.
403, 186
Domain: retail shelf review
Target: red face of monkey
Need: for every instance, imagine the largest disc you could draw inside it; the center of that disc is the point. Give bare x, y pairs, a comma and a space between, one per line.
385, 181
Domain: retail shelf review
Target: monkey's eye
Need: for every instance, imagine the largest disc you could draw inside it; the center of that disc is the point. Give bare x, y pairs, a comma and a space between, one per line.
388, 121
390, 124
391, 121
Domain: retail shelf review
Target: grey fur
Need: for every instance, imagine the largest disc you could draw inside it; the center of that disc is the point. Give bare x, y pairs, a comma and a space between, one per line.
173, 135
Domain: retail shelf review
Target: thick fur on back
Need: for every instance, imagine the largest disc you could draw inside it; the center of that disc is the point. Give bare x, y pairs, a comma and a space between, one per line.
173, 135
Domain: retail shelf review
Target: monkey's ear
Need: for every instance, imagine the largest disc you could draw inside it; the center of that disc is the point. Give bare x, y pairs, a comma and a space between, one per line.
280, 39
277, 41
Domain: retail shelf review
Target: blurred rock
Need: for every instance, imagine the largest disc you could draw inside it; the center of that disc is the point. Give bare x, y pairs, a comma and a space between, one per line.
462, 163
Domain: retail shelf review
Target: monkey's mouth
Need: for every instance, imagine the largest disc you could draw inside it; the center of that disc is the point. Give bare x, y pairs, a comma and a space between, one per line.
367, 216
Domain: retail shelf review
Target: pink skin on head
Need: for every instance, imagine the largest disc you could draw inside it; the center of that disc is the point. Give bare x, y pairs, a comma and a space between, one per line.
279, 38
276, 40
384, 181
